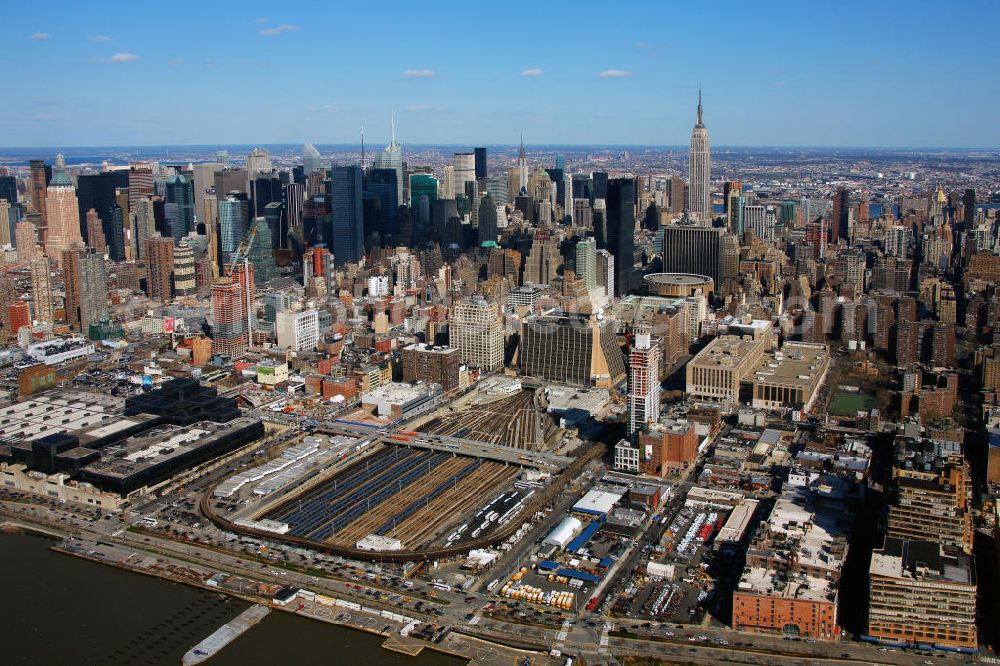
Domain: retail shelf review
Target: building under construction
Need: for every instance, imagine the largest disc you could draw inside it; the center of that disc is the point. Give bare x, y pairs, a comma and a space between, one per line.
232, 310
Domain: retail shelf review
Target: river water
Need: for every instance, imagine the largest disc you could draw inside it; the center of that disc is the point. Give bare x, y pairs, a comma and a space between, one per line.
60, 609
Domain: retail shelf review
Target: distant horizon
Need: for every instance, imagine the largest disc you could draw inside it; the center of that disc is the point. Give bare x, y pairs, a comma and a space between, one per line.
375, 146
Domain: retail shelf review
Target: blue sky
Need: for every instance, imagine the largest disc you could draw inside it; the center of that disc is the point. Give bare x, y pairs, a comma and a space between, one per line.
774, 73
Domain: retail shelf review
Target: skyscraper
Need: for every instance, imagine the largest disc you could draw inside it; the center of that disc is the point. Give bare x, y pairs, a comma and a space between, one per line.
487, 220
63, 212
41, 287
25, 240
8, 188
143, 224
840, 218
643, 383
465, 172
261, 253
311, 160
621, 231
185, 275
233, 225
481, 170
95, 234
140, 182
348, 222
476, 330
586, 262
700, 171
694, 249
180, 193
258, 161
392, 158
522, 170
383, 185
99, 192
159, 268
40, 174
86, 284
7, 231
231, 298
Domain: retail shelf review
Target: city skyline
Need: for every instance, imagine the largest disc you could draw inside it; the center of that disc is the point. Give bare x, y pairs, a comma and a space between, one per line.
842, 87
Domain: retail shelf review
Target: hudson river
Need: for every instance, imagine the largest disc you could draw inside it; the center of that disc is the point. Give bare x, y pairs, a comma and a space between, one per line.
61, 609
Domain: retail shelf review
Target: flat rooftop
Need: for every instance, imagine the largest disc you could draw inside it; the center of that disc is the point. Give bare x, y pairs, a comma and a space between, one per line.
63, 411
921, 560
159, 445
726, 351
796, 365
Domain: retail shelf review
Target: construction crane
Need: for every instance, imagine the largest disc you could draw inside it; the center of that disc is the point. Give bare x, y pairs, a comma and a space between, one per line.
242, 255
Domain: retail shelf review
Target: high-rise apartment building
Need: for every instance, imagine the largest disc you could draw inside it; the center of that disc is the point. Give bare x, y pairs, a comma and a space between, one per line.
185, 274
159, 253
41, 288
476, 330
143, 223
86, 284
25, 240
643, 383
232, 303
700, 171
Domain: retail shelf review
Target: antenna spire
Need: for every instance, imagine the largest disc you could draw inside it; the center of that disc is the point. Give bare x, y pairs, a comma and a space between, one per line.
362, 147
393, 142
701, 122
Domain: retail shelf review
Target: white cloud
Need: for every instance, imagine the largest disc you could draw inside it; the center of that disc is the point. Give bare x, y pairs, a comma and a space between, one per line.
103, 39
262, 20
279, 29
613, 74
173, 62
328, 108
40, 36
118, 58
419, 74
414, 108
535, 71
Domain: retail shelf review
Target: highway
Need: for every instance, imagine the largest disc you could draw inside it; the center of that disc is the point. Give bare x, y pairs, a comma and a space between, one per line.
577, 637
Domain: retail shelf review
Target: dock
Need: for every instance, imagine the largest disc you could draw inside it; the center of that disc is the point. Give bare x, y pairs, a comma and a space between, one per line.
225, 635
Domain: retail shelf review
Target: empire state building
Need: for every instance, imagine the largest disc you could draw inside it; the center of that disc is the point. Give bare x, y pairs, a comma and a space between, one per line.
700, 171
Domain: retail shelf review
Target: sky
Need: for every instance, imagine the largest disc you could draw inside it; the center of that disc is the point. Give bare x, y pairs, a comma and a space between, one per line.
899, 74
